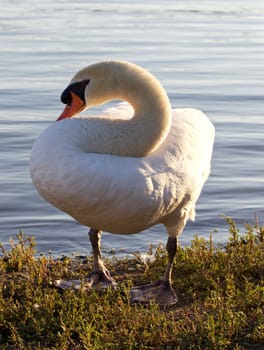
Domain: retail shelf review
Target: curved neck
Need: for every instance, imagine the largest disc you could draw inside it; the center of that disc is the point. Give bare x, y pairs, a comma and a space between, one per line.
151, 121
150, 124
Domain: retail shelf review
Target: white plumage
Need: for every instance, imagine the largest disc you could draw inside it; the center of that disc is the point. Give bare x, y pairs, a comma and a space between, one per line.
123, 194
74, 168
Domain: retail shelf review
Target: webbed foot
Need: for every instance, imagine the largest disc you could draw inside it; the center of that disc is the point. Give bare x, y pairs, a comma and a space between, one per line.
161, 292
101, 280
96, 280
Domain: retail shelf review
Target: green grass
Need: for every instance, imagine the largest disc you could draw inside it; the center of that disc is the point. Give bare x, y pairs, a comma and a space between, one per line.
221, 291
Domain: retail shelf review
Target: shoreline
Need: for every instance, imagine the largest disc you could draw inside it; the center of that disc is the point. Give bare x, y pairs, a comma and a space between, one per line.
220, 287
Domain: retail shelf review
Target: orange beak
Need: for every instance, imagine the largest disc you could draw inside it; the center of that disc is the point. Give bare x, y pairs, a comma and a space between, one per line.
76, 106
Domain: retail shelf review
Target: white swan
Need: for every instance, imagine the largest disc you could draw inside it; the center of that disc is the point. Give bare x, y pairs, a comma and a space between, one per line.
130, 168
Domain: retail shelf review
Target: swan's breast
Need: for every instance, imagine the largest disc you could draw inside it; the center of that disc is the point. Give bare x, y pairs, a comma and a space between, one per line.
117, 194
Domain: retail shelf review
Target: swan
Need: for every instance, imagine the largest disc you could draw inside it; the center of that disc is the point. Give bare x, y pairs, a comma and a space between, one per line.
134, 166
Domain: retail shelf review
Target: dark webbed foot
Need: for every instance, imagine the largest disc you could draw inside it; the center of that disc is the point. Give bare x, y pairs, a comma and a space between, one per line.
101, 280
96, 280
161, 292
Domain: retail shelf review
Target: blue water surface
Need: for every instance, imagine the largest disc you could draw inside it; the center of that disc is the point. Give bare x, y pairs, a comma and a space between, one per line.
207, 54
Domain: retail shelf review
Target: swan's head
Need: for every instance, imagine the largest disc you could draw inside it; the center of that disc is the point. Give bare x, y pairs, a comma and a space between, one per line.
83, 91
95, 85
105, 81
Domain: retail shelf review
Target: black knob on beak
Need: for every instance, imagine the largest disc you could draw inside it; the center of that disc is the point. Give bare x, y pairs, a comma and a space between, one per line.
76, 88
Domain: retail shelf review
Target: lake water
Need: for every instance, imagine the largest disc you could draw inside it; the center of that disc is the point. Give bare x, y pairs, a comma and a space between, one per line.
207, 54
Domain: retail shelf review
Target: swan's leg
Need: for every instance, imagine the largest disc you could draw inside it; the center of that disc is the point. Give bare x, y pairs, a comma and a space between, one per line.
160, 291
100, 276
172, 245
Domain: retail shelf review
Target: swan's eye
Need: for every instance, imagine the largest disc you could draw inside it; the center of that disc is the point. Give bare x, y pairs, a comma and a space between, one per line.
75, 88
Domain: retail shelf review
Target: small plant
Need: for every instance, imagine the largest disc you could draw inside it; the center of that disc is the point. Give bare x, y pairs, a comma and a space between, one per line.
221, 290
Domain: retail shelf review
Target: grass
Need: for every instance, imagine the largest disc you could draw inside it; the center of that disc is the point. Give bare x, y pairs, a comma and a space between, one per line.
221, 291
